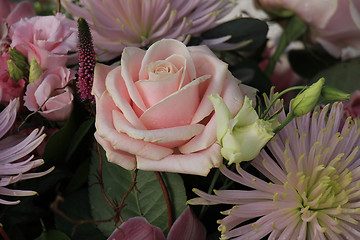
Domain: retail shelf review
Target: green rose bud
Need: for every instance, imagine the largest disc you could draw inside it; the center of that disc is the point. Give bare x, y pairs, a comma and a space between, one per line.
35, 70
334, 94
19, 59
243, 136
14, 71
307, 100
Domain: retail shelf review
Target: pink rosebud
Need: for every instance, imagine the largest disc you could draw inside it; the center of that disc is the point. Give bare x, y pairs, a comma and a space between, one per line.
153, 113
335, 24
51, 94
186, 227
47, 38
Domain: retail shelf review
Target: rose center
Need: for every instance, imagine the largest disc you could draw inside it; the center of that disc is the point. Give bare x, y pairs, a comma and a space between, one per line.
162, 67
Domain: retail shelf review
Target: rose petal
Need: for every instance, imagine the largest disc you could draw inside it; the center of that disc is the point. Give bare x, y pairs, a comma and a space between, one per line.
163, 135
198, 163
208, 64
130, 63
120, 141
116, 87
175, 110
187, 227
118, 157
137, 228
100, 73
21, 10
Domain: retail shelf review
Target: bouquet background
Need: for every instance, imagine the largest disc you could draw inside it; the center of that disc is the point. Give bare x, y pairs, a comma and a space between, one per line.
107, 117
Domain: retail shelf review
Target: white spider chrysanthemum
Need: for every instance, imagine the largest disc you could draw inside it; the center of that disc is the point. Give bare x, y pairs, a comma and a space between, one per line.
15, 163
120, 23
312, 186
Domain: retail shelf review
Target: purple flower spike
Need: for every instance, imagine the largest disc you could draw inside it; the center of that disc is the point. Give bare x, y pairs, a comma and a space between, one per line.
86, 61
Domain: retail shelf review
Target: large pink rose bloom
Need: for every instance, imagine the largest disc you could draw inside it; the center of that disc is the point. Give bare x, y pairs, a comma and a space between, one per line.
152, 112
51, 93
335, 24
47, 38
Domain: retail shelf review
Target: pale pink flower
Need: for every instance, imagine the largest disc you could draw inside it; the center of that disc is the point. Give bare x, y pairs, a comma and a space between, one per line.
153, 113
15, 162
335, 24
51, 94
47, 38
309, 188
120, 23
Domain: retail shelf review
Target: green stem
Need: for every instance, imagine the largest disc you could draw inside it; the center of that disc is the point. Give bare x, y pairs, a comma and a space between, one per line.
284, 123
211, 188
277, 97
294, 29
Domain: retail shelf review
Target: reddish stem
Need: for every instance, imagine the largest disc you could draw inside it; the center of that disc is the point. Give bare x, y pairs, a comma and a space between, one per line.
167, 199
3, 233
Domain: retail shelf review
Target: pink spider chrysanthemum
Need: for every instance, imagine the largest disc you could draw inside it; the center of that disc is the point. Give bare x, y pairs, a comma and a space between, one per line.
310, 187
120, 23
15, 162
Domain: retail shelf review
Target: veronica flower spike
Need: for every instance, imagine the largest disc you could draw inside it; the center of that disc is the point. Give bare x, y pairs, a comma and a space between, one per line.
310, 187
14, 151
87, 61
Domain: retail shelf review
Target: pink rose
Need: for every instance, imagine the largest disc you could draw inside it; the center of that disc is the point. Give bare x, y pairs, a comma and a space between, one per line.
53, 83
152, 112
10, 88
13, 12
47, 38
335, 24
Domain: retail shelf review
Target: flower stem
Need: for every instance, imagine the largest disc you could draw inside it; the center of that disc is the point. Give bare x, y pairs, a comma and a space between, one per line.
211, 188
277, 97
288, 119
167, 199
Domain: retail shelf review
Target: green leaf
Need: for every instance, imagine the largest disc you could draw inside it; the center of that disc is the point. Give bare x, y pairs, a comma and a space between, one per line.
308, 62
78, 136
344, 76
53, 234
148, 202
244, 30
58, 144
294, 29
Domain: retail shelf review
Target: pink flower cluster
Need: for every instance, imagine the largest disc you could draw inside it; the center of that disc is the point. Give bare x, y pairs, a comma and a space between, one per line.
48, 40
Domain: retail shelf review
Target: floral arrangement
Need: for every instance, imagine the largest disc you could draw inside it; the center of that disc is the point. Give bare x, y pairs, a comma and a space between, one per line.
173, 119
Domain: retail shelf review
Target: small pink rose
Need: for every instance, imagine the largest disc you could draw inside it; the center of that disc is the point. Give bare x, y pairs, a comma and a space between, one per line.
152, 112
47, 38
51, 92
10, 88
13, 12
